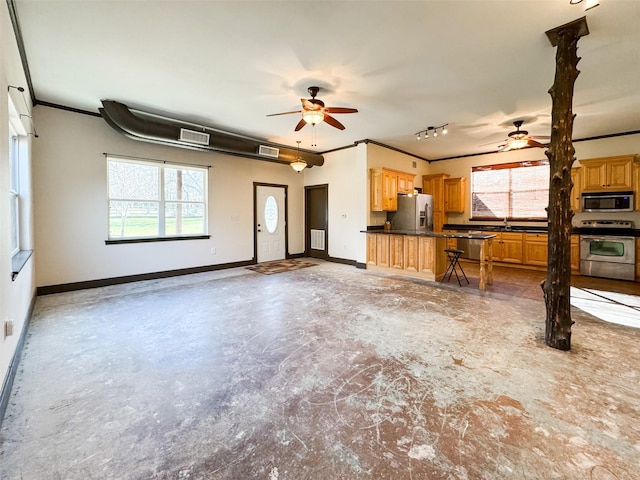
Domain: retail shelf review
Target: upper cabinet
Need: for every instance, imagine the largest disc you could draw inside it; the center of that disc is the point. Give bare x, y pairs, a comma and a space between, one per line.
434, 186
612, 173
386, 184
576, 191
454, 195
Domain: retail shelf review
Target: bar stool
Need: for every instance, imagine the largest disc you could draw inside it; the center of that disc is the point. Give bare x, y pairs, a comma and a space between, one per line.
453, 255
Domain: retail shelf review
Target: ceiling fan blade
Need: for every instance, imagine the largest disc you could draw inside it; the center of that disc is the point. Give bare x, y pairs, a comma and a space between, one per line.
532, 143
300, 124
333, 122
505, 148
283, 113
340, 110
541, 137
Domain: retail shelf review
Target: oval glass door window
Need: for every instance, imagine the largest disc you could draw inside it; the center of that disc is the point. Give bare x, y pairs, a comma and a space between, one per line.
271, 214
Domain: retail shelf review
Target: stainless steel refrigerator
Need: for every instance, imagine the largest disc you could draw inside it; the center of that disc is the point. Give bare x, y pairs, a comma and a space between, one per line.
415, 212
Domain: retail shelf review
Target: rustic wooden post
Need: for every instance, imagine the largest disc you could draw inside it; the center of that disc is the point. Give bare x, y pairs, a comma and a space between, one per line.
557, 285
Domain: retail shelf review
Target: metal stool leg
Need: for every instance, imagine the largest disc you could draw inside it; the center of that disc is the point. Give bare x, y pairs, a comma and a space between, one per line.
454, 264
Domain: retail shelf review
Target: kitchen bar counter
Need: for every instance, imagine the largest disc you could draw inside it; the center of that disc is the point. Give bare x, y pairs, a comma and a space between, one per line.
420, 253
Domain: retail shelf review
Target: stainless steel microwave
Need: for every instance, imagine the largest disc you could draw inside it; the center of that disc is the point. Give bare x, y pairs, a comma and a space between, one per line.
607, 201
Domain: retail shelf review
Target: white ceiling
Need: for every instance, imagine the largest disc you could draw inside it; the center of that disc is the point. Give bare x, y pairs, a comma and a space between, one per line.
405, 65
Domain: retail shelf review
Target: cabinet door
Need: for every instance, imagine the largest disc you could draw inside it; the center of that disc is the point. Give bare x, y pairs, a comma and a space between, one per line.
410, 184
411, 253
427, 254
619, 173
376, 190
637, 259
382, 250
454, 195
576, 191
438, 221
575, 253
434, 185
511, 247
396, 251
594, 175
535, 249
497, 249
389, 191
371, 249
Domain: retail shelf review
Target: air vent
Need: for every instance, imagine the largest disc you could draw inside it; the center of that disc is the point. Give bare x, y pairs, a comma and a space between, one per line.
192, 136
268, 151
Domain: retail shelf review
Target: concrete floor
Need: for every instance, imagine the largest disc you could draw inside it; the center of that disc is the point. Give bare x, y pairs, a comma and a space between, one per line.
328, 372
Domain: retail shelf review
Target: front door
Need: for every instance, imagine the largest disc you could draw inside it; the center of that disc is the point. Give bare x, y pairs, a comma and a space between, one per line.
270, 223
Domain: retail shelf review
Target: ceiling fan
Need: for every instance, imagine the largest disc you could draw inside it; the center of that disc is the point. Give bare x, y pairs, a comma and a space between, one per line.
520, 139
313, 111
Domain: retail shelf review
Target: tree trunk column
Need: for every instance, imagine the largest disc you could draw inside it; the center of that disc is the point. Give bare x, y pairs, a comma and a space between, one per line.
557, 285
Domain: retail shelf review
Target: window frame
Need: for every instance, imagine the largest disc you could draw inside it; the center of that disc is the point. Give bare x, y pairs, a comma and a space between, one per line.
509, 192
14, 189
161, 201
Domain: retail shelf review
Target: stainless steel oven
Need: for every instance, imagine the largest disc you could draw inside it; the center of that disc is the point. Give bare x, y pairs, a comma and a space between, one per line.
608, 256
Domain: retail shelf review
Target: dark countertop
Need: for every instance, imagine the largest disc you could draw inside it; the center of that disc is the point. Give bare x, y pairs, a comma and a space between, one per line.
615, 232
429, 233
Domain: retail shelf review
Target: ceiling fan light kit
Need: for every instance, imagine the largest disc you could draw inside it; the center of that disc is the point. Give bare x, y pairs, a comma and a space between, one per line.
313, 116
425, 133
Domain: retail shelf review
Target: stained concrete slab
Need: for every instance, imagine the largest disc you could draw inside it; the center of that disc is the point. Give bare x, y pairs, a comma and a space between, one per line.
328, 372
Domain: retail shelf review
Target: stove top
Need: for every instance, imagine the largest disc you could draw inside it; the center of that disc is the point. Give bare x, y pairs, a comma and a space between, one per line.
607, 224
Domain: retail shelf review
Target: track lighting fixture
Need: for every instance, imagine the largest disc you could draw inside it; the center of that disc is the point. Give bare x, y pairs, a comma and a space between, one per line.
434, 132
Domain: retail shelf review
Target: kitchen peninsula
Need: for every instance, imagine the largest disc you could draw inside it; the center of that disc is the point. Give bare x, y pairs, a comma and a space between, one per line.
420, 253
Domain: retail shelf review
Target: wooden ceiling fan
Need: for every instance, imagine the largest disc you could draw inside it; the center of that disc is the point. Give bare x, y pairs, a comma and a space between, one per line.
313, 111
520, 139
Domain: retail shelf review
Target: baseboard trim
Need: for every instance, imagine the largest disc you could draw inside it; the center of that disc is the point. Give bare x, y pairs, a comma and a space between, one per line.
7, 385
69, 287
345, 261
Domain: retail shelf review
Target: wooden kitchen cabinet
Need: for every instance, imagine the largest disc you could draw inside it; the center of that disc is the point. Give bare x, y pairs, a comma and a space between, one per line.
575, 254
405, 183
507, 247
434, 186
372, 258
611, 173
535, 249
382, 250
411, 246
638, 259
385, 186
454, 195
427, 255
576, 191
396, 251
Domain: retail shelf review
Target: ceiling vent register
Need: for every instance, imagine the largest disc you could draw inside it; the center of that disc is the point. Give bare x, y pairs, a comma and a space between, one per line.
268, 151
192, 136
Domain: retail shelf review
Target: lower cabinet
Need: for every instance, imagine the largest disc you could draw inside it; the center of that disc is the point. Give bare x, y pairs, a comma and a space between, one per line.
507, 247
414, 255
535, 249
396, 251
575, 254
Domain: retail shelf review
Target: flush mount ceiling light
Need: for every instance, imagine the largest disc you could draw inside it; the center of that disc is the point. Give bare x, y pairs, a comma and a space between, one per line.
299, 165
434, 132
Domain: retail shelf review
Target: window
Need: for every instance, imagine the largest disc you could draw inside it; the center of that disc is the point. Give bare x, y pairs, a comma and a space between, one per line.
149, 199
516, 191
14, 189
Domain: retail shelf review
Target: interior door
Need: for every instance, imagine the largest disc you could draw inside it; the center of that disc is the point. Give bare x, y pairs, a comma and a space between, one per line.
317, 221
270, 223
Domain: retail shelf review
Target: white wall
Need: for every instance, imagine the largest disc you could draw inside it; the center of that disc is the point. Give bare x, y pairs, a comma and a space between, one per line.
15, 296
71, 208
383, 157
345, 172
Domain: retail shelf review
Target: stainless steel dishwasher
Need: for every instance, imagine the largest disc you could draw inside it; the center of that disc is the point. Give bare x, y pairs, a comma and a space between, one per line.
471, 247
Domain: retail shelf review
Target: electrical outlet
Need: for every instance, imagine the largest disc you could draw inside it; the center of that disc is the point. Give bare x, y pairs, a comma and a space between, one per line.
213, 250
